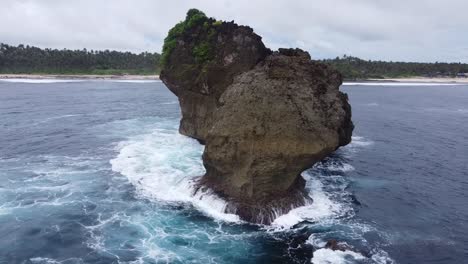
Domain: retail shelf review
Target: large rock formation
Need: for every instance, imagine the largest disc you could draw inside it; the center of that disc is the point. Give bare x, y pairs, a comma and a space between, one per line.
264, 116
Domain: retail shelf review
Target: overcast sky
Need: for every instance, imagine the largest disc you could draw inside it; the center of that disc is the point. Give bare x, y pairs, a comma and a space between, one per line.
403, 30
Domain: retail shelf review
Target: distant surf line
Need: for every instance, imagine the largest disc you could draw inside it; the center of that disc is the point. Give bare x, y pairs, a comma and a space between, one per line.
400, 84
46, 81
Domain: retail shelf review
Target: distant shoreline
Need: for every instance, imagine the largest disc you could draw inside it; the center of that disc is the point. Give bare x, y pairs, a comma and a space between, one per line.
79, 76
418, 80
156, 77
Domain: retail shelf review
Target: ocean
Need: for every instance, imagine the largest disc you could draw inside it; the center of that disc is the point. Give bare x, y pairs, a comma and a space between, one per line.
96, 172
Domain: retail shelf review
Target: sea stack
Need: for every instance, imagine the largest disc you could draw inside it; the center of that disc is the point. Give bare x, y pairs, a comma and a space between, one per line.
263, 116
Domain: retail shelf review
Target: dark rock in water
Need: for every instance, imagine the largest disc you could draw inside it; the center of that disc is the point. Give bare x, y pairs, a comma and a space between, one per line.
273, 122
264, 116
335, 245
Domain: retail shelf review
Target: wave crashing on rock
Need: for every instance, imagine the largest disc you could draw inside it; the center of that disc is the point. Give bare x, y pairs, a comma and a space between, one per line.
263, 116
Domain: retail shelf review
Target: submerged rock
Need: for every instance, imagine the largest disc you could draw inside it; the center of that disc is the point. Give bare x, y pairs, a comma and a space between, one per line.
264, 116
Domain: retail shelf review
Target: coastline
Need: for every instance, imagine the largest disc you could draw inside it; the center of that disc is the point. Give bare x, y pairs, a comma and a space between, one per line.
156, 77
78, 76
420, 80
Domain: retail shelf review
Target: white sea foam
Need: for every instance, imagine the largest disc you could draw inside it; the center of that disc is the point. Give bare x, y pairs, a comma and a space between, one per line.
32, 80
4, 211
328, 256
170, 103
381, 257
322, 207
40, 260
335, 166
163, 165
160, 256
49, 119
20, 80
399, 84
54, 181
316, 241
358, 142
332, 207
135, 81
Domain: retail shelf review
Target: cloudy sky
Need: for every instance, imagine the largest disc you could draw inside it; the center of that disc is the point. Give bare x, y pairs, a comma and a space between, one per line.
403, 30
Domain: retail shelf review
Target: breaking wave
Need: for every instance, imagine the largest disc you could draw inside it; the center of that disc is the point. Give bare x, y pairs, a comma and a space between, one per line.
328, 256
21, 80
162, 165
400, 84
31, 80
136, 81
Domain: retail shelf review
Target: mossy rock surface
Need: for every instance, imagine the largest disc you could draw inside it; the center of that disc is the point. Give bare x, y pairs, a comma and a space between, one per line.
201, 55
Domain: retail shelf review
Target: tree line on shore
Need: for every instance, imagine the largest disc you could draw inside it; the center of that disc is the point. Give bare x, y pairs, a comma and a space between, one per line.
354, 68
23, 59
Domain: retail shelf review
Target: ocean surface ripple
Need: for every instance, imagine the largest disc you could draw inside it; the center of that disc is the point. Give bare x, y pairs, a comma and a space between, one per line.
96, 172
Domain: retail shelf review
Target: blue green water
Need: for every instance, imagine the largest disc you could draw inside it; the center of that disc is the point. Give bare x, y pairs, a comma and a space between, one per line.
96, 172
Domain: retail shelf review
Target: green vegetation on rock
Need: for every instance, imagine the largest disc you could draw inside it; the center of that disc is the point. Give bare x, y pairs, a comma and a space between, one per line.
194, 17
217, 23
203, 50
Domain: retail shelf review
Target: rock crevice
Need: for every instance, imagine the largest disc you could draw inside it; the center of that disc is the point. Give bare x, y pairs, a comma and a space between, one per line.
263, 116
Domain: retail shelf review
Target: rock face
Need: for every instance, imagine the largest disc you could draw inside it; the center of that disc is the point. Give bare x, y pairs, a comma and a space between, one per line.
201, 58
264, 116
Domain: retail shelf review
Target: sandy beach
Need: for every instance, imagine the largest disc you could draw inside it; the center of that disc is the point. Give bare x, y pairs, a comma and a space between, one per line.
73, 76
423, 80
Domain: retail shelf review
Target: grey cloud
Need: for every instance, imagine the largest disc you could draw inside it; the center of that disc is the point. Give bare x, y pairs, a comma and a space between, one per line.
417, 30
